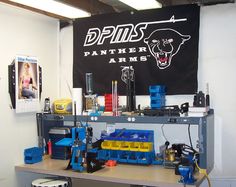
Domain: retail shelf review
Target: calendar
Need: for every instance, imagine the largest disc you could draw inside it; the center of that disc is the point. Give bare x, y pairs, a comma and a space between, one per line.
27, 84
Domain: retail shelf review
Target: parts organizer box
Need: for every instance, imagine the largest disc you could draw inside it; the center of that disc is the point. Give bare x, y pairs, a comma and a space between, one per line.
129, 146
56, 134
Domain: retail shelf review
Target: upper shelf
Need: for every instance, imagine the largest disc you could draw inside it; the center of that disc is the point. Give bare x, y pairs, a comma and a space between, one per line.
129, 119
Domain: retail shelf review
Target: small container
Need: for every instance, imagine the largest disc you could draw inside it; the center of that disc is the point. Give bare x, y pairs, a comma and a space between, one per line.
33, 155
49, 144
124, 146
145, 147
134, 146
115, 145
106, 145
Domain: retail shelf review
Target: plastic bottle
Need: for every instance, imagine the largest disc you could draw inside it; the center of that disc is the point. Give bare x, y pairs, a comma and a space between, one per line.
49, 147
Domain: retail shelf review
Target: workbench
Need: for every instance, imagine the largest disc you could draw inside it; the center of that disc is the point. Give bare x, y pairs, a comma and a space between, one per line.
125, 174
151, 175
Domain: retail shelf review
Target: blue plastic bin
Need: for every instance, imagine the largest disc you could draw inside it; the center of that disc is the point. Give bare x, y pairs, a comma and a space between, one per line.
157, 96
130, 135
144, 158
123, 156
103, 155
132, 157
157, 88
33, 155
113, 155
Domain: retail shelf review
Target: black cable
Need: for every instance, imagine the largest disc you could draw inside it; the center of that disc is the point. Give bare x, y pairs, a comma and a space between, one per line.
163, 133
189, 136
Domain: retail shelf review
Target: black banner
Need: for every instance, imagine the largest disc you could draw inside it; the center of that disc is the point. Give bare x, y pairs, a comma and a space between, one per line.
160, 46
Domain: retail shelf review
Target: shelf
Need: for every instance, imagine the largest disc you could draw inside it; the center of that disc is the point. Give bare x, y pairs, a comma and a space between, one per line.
129, 119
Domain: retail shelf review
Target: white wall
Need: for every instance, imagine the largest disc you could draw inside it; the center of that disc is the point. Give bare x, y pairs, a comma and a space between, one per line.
217, 54
27, 33
217, 66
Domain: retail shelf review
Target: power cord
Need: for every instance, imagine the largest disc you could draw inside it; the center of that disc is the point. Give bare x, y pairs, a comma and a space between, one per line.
203, 171
189, 136
163, 133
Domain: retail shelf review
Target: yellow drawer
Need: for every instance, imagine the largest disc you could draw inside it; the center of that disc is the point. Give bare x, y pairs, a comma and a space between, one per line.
125, 146
106, 145
134, 146
115, 145
145, 146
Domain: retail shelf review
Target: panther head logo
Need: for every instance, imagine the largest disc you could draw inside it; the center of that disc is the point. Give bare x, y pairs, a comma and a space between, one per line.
163, 44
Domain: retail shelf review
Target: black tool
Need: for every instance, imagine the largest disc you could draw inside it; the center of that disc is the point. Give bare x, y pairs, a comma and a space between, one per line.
172, 110
207, 95
92, 163
130, 91
199, 100
184, 108
89, 137
139, 110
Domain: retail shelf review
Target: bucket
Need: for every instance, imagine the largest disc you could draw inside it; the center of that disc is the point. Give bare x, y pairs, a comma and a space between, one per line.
50, 183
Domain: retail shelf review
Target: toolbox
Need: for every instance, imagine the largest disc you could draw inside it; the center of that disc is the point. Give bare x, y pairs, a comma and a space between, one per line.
56, 134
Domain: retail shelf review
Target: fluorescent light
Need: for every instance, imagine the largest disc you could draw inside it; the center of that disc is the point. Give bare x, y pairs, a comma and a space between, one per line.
142, 4
54, 7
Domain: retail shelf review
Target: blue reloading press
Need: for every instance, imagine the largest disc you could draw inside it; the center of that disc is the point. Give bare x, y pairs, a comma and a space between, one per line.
81, 149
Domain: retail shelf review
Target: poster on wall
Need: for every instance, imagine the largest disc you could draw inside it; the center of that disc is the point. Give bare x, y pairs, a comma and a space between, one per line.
27, 84
158, 47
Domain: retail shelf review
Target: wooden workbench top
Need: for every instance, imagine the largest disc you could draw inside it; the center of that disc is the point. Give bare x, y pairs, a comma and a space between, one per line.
122, 173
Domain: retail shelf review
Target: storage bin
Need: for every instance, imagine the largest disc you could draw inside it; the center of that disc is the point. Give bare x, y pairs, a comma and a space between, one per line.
115, 145
106, 145
144, 158
145, 147
113, 155
132, 158
130, 135
33, 155
103, 155
157, 88
157, 96
125, 146
123, 156
134, 146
